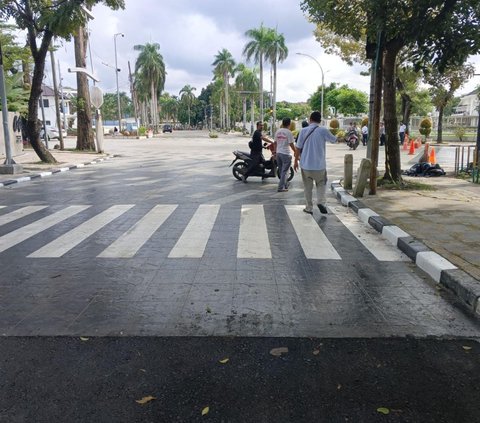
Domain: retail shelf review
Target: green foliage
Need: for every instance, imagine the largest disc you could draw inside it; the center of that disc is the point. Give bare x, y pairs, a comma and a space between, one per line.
364, 122
142, 131
460, 131
334, 126
110, 106
347, 101
425, 127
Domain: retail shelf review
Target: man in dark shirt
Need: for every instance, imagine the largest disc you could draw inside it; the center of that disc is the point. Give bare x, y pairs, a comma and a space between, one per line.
256, 148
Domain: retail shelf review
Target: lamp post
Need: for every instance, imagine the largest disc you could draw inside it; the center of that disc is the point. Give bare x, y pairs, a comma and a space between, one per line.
323, 83
116, 75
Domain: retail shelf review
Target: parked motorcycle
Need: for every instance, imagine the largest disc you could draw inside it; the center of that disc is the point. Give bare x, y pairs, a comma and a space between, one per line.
266, 169
352, 140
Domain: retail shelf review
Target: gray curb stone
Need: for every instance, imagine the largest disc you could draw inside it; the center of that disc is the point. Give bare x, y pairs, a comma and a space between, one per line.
464, 286
51, 172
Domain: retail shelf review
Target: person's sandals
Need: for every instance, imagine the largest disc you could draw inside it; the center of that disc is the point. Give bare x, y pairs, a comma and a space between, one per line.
322, 209
307, 211
282, 190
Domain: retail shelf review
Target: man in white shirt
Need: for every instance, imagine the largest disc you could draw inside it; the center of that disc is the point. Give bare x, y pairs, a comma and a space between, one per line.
401, 132
283, 145
311, 153
364, 134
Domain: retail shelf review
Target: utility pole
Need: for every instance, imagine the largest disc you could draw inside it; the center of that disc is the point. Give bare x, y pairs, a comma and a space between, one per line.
61, 93
45, 133
133, 94
57, 104
116, 76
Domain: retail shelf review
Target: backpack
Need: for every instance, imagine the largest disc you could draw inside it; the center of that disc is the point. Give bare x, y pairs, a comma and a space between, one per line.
425, 169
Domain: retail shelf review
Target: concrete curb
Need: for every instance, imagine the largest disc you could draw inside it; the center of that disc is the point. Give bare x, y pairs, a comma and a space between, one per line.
465, 287
51, 172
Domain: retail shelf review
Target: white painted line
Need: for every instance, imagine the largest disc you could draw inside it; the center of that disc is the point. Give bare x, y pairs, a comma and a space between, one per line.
347, 198
2, 207
365, 214
392, 233
71, 239
433, 264
18, 214
194, 239
314, 243
64, 169
42, 174
16, 237
369, 237
24, 179
80, 165
127, 245
253, 239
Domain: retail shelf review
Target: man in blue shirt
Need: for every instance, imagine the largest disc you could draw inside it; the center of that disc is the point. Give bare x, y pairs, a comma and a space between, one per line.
311, 154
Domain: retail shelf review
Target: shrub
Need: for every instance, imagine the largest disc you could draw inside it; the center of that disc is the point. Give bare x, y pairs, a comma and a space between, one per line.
142, 130
425, 127
460, 131
364, 122
340, 135
213, 134
334, 126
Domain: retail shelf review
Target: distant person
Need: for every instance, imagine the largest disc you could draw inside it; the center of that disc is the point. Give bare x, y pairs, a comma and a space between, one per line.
382, 133
115, 131
283, 145
310, 152
304, 125
401, 132
364, 134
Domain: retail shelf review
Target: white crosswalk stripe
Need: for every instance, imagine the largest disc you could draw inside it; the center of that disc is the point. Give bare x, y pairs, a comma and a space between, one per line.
18, 214
194, 239
16, 237
131, 241
66, 242
253, 237
314, 243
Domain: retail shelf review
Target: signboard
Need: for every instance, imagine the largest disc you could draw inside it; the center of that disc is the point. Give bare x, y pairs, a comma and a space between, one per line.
96, 97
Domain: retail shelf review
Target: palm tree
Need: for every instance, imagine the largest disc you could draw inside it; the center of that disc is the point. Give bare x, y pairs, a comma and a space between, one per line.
224, 67
150, 68
256, 49
247, 81
186, 95
276, 52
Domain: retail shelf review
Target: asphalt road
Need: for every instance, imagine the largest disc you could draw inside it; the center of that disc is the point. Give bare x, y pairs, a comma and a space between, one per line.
162, 242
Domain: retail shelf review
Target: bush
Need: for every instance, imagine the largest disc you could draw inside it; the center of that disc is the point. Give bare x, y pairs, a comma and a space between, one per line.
334, 126
142, 131
340, 135
460, 131
425, 127
364, 122
213, 134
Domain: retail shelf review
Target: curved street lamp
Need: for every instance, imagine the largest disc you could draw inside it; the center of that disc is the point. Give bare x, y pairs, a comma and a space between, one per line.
320, 66
116, 75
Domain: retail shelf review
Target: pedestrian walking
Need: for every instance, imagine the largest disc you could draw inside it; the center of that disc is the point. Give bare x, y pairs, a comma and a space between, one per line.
284, 145
382, 133
310, 153
364, 134
401, 132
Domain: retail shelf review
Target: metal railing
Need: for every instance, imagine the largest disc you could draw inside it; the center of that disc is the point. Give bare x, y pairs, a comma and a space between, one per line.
466, 162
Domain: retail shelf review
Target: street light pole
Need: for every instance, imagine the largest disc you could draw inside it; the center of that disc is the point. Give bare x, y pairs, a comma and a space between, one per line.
323, 83
116, 75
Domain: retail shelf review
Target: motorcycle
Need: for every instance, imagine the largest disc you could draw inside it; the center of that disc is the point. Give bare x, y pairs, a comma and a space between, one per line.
352, 140
266, 169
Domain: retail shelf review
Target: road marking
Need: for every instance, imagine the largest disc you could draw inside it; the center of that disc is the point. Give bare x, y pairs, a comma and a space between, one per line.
194, 239
131, 241
16, 237
314, 242
253, 236
370, 238
18, 214
69, 240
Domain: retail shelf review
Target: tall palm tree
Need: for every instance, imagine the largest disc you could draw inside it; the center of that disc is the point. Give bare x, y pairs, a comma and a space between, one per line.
247, 81
276, 52
224, 66
187, 96
255, 49
150, 67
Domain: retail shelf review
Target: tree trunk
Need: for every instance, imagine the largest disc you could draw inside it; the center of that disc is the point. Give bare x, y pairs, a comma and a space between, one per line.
227, 108
33, 128
440, 124
261, 87
274, 102
84, 116
252, 110
244, 114
393, 170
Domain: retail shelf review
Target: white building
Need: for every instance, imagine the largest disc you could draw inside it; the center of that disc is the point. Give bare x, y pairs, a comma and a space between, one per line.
49, 106
468, 105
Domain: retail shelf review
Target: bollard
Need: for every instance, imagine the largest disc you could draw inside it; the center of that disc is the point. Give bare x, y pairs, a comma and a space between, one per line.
348, 171
362, 177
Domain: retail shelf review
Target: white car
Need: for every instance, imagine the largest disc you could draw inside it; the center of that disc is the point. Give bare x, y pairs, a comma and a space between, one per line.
52, 133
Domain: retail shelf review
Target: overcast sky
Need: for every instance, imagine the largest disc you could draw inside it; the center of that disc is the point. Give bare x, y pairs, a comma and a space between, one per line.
190, 34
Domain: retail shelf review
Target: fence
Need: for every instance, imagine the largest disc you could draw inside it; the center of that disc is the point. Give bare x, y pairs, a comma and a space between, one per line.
466, 162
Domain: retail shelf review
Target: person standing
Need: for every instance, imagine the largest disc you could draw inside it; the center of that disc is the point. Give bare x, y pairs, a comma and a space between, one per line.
310, 152
401, 132
283, 145
364, 134
382, 133
256, 147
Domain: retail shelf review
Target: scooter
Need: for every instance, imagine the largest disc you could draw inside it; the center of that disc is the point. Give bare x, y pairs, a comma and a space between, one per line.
352, 140
266, 169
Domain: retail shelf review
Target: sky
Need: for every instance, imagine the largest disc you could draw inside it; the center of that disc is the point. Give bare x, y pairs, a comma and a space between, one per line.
191, 32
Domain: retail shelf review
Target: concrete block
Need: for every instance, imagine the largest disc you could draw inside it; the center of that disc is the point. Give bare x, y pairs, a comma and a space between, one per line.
433, 264
392, 233
365, 214
347, 198
378, 222
357, 205
463, 286
10, 169
411, 247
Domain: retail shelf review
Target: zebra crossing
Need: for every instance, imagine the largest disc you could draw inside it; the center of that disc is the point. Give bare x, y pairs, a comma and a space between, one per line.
254, 241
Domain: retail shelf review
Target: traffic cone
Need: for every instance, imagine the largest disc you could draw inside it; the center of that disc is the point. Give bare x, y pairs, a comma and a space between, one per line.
412, 148
406, 140
405, 145
431, 158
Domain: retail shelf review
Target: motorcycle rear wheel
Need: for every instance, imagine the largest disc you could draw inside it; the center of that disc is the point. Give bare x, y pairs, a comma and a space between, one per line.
237, 170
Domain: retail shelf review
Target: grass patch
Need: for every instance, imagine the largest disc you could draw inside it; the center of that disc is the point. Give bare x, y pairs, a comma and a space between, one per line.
404, 185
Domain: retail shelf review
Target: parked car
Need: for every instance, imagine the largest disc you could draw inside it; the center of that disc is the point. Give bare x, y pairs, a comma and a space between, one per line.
167, 128
52, 133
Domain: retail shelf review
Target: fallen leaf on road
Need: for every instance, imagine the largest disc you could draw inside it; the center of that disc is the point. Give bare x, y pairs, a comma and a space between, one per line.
143, 370
277, 352
466, 348
383, 410
205, 410
208, 310
83, 338
225, 360
316, 352
144, 400
339, 387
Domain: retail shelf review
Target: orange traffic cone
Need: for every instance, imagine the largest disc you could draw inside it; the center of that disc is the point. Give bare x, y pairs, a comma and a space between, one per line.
431, 158
406, 139
405, 144
412, 148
